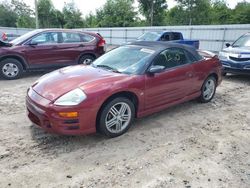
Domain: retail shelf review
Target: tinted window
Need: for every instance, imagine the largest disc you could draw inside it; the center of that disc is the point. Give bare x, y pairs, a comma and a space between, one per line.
176, 36
171, 57
71, 38
190, 57
165, 37
86, 38
171, 36
45, 38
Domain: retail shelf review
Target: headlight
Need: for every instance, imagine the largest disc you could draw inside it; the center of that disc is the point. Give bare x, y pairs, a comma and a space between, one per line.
71, 98
223, 55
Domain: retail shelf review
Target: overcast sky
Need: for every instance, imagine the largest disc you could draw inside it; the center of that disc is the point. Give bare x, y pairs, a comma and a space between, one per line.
87, 6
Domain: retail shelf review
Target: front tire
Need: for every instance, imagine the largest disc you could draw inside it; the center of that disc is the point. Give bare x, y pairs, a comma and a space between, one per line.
11, 69
208, 89
116, 117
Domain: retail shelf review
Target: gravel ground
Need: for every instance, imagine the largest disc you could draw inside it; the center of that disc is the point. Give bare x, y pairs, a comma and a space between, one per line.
189, 145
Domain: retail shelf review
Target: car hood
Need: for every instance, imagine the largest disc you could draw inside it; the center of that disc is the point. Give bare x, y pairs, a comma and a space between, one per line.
237, 50
57, 83
5, 44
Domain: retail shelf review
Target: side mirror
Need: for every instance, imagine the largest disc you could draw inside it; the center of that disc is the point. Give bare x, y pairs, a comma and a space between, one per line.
228, 44
156, 69
32, 43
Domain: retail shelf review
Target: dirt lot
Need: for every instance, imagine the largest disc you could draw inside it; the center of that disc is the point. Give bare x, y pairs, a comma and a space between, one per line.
190, 145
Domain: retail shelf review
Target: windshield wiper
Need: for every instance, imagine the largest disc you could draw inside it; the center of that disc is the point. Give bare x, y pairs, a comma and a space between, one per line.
109, 68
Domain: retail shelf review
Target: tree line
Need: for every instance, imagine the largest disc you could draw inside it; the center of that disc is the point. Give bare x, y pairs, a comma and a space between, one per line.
122, 13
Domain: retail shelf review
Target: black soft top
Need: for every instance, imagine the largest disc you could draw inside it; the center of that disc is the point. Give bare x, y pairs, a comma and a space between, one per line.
160, 46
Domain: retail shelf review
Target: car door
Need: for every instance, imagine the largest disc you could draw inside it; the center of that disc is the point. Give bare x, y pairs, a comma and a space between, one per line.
73, 44
171, 85
42, 50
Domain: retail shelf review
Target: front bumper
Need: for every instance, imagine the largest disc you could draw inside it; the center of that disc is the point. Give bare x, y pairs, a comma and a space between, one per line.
47, 117
236, 67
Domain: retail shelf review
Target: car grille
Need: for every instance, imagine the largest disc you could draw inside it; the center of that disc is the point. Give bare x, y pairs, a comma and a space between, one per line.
239, 59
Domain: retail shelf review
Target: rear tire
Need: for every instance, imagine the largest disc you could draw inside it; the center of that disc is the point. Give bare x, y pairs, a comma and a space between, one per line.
116, 117
11, 69
86, 59
208, 90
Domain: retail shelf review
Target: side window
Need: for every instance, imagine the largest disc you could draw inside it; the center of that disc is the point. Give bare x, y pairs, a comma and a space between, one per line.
165, 37
86, 38
71, 37
176, 36
190, 57
171, 57
45, 38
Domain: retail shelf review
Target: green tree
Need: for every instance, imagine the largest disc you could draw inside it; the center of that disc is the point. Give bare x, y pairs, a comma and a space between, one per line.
154, 11
25, 15
241, 13
116, 13
60, 18
177, 16
197, 11
7, 16
72, 16
90, 21
221, 13
46, 14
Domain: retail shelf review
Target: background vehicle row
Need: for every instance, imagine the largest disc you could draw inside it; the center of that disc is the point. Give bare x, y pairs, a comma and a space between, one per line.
43, 49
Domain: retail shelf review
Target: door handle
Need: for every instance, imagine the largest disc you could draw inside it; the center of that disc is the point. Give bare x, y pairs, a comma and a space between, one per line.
81, 45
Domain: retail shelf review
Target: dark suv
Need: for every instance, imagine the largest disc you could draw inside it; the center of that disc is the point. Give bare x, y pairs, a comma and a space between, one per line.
49, 48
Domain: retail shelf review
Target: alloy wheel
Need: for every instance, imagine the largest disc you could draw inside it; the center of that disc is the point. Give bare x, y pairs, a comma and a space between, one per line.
209, 89
118, 117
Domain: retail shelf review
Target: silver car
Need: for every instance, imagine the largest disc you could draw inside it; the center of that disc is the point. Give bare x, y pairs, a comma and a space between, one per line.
236, 57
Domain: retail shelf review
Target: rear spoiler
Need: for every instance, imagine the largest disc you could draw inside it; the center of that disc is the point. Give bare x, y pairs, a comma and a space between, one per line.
207, 54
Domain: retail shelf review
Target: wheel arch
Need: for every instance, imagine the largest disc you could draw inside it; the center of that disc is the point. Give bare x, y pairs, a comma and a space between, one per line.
18, 58
127, 94
215, 76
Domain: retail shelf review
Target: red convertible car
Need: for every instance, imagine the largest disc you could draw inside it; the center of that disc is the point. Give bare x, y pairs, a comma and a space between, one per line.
128, 82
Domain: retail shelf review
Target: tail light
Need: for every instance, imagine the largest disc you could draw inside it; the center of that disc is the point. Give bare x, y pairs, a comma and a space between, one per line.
101, 43
4, 37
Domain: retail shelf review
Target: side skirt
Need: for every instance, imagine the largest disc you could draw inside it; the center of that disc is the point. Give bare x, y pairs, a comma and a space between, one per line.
162, 107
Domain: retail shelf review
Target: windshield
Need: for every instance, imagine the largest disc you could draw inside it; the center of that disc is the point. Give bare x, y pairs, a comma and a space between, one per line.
126, 59
149, 36
24, 37
243, 41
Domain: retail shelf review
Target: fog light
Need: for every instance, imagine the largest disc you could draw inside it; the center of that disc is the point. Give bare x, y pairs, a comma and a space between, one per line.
68, 114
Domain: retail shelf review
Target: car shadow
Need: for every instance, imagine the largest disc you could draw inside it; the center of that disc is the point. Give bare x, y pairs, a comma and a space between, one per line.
51, 143
238, 78
47, 140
